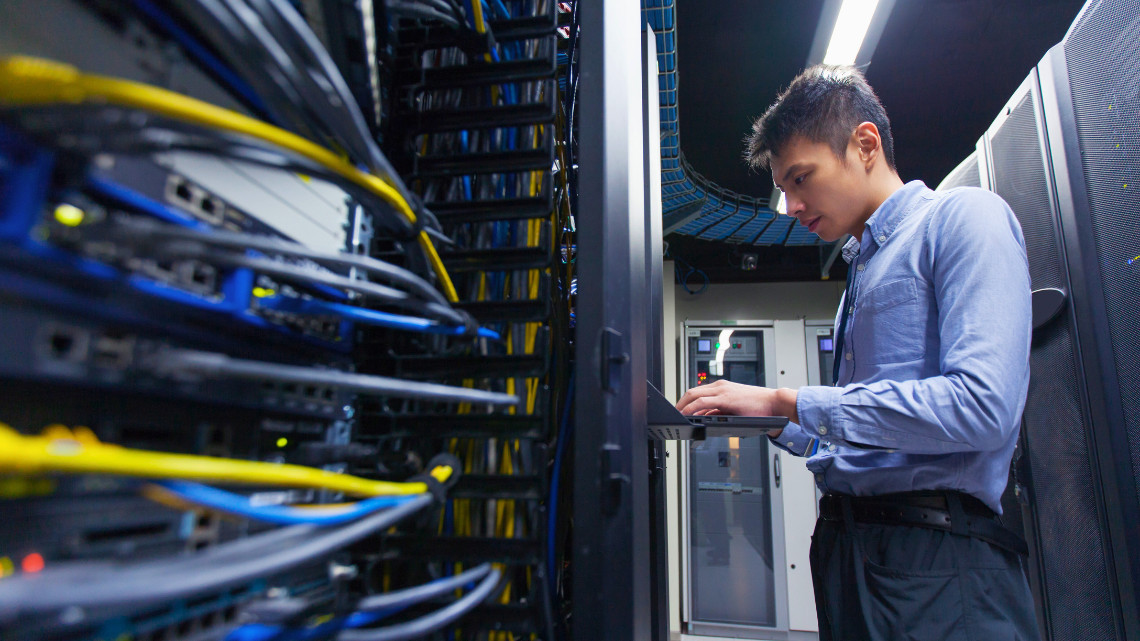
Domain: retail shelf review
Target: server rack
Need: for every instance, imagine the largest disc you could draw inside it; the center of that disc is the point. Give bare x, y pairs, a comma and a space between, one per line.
1059, 154
738, 587
99, 351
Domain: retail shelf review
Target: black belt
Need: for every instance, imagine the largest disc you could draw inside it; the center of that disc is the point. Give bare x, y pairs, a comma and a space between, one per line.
930, 509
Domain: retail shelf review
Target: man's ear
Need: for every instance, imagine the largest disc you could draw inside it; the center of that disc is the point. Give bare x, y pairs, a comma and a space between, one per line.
867, 143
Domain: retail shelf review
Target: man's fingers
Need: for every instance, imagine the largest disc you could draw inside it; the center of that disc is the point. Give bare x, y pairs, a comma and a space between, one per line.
692, 395
699, 405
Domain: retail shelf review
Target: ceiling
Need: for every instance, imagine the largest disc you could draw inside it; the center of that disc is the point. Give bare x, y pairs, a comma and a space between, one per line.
942, 69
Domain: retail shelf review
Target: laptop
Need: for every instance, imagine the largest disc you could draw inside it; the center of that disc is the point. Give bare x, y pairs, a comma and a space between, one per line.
667, 423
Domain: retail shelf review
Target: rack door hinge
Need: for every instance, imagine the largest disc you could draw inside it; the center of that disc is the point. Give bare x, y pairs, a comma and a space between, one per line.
613, 483
613, 358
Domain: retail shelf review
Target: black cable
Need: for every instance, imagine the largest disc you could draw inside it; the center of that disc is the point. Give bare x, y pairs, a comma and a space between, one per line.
241, 32
309, 276
298, 51
411, 596
230, 38
92, 129
422, 11
210, 364
457, 10
429, 623
95, 129
75, 591
306, 51
147, 233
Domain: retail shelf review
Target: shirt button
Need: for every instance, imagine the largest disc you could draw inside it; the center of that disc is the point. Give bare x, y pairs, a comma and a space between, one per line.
823, 429
791, 444
848, 356
860, 268
831, 448
882, 238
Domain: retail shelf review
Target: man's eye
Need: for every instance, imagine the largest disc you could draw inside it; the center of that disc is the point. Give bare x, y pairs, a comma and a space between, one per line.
800, 179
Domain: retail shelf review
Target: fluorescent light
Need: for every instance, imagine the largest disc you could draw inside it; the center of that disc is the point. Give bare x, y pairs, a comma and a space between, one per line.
782, 204
722, 346
850, 28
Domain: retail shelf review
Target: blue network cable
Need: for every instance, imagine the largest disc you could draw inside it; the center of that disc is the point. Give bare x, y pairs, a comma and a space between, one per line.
270, 632
368, 316
224, 501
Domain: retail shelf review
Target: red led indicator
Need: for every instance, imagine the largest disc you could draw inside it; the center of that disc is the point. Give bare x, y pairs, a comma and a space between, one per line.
32, 563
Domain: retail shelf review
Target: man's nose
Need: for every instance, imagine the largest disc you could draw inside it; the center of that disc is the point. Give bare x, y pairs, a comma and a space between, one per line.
795, 206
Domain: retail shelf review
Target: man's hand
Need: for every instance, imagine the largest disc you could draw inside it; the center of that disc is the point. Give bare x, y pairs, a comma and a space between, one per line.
726, 397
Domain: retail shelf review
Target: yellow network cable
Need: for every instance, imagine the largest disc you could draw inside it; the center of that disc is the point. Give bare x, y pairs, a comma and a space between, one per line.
60, 450
26, 81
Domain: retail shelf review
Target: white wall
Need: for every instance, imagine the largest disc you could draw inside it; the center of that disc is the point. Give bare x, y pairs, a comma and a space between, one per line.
759, 301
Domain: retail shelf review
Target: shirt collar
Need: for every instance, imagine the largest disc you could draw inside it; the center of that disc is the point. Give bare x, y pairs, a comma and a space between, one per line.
893, 211
850, 249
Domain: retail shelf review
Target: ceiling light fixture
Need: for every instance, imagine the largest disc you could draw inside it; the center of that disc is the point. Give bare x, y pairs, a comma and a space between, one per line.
850, 28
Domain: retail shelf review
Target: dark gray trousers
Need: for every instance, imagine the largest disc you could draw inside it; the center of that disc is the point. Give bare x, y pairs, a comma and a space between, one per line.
894, 583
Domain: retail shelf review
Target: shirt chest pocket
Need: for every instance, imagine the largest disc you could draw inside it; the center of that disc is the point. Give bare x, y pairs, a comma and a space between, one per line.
890, 320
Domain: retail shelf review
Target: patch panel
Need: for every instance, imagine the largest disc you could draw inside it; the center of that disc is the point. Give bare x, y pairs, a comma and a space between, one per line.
323, 327
312, 398
95, 320
188, 196
191, 275
45, 346
225, 289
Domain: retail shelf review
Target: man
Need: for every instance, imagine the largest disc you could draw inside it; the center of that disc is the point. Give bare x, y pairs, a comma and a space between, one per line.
911, 446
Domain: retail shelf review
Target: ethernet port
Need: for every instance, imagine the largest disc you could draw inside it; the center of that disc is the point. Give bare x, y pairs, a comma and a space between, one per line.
178, 190
64, 343
160, 270
212, 210
198, 276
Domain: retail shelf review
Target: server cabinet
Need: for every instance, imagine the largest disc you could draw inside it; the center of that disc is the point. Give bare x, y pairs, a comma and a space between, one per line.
733, 572
819, 336
1061, 154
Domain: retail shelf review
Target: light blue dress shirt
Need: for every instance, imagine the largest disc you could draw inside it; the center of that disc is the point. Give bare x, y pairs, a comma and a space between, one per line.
935, 365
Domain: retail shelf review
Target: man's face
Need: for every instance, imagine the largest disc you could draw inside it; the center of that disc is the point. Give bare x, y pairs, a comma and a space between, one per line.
825, 194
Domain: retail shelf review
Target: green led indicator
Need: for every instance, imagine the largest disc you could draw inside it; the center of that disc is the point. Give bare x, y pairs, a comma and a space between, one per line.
718, 345
282, 442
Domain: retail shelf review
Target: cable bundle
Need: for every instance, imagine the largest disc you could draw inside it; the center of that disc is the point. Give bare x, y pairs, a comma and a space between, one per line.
479, 131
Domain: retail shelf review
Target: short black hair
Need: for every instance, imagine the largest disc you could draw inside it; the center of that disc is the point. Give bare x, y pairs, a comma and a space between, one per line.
825, 103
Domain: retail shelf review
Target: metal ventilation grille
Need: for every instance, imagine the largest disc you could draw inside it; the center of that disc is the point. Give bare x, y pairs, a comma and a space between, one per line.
664, 433
1103, 71
1068, 526
964, 175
